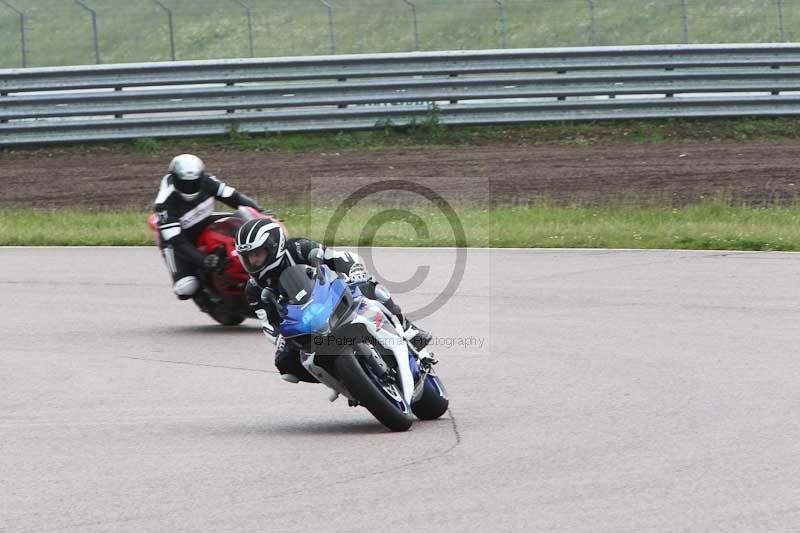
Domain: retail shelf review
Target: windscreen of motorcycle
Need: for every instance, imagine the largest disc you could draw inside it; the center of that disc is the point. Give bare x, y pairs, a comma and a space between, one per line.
297, 283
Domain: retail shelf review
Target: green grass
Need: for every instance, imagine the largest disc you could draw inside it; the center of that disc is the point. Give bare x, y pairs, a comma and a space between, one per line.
714, 225
69, 227
427, 136
433, 134
59, 32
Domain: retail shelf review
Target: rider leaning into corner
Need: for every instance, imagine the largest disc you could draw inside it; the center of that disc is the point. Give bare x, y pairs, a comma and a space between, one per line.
265, 252
185, 206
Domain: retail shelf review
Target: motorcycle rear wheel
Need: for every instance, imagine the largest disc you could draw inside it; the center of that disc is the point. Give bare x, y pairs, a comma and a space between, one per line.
349, 370
225, 317
219, 312
433, 403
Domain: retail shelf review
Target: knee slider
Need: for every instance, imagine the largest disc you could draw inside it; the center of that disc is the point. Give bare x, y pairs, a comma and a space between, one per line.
185, 287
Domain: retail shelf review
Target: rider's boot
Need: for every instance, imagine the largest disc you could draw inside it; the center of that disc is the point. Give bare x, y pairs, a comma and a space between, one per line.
186, 287
421, 337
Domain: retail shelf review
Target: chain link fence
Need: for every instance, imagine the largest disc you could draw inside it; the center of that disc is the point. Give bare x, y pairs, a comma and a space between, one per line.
75, 32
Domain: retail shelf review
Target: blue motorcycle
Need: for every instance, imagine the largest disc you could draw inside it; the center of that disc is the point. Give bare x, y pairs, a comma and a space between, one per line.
358, 348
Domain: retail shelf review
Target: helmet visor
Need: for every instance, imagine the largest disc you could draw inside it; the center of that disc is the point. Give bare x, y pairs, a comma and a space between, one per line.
187, 186
254, 260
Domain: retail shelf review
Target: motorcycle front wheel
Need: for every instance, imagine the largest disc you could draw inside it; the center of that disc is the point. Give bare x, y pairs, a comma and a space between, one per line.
391, 413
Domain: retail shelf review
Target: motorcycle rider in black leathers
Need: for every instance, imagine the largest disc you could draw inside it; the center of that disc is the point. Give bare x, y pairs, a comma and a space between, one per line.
265, 252
185, 206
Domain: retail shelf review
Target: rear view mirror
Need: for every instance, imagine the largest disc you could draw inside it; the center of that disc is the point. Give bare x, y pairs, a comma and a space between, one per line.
315, 257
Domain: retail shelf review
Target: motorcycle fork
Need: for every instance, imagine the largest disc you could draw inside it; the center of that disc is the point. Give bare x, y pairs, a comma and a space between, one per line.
372, 358
425, 362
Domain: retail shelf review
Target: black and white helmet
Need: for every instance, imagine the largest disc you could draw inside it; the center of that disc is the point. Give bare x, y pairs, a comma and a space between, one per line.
261, 246
186, 171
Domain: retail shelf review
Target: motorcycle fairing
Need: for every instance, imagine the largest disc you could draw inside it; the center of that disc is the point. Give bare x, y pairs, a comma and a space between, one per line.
313, 316
320, 296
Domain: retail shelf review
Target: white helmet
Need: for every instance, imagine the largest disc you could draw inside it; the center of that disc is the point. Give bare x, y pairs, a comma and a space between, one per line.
186, 170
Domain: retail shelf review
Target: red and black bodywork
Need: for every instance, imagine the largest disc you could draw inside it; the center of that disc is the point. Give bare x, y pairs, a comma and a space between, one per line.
222, 294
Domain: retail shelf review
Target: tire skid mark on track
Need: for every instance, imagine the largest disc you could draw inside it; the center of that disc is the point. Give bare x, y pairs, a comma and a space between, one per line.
263, 370
407, 464
456, 432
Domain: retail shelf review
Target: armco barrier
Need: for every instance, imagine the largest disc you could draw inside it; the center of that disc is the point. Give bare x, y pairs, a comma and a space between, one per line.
319, 93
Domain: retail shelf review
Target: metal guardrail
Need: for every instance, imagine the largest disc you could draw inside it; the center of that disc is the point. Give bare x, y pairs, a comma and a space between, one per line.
75, 104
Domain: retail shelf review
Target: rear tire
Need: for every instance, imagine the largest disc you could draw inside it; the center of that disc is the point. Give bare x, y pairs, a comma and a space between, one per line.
432, 404
226, 318
219, 312
349, 370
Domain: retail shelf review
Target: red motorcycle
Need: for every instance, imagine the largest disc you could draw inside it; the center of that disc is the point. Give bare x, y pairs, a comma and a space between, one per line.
221, 294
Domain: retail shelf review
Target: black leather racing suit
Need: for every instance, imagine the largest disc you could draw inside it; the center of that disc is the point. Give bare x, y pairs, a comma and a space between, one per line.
287, 356
180, 221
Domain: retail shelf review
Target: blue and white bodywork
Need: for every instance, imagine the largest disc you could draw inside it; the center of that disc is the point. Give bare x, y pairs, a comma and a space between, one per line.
322, 311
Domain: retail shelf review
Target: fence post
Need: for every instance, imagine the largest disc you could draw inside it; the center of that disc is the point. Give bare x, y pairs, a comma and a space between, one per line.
21, 31
413, 7
331, 26
593, 20
249, 25
781, 28
94, 29
501, 5
685, 20
171, 28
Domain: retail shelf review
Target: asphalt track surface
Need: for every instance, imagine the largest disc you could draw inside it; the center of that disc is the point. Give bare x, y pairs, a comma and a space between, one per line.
613, 391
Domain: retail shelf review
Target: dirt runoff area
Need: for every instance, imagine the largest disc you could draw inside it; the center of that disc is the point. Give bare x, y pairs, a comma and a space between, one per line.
673, 173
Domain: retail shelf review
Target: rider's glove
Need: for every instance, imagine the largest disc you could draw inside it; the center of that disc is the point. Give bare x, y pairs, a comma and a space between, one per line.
268, 296
270, 300
213, 263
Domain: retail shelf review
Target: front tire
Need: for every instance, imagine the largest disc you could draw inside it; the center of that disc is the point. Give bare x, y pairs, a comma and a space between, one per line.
349, 370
